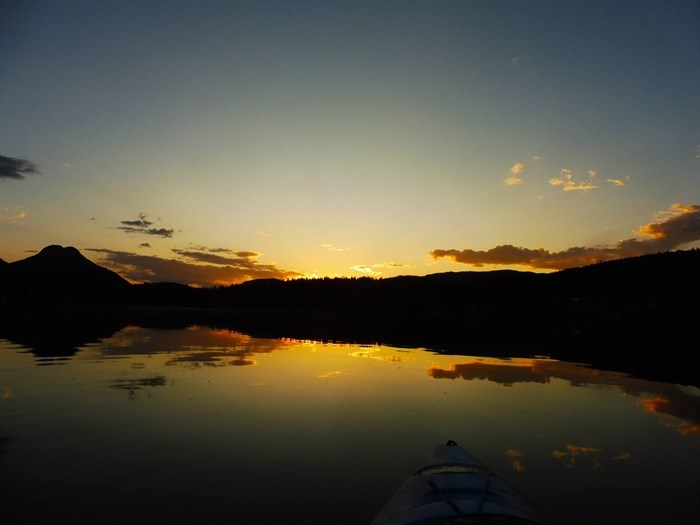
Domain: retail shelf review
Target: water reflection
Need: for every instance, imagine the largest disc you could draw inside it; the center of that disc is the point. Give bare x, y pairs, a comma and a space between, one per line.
572, 455
203, 347
680, 405
198, 346
195, 344
225, 418
59, 345
133, 386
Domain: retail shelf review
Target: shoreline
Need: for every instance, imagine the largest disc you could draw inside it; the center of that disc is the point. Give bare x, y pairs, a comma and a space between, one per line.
664, 355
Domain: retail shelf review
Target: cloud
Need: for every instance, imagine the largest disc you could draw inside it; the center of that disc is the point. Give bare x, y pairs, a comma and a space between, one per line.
371, 269
143, 225
518, 167
334, 248
16, 168
243, 259
144, 245
141, 222
515, 170
147, 268
615, 182
567, 182
248, 255
13, 215
366, 269
159, 232
673, 228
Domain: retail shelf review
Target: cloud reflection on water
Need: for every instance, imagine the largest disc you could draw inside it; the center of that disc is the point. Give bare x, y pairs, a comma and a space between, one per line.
679, 405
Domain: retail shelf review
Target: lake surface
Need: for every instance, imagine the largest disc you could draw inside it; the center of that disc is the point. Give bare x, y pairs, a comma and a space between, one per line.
213, 426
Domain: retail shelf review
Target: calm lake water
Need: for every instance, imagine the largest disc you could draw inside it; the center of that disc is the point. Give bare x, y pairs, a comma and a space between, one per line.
213, 426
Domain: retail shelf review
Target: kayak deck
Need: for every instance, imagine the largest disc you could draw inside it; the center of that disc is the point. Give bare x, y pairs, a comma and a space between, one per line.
452, 487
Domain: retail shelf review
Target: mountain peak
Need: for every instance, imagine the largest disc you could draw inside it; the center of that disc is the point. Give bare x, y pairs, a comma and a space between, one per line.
58, 252
59, 270
57, 248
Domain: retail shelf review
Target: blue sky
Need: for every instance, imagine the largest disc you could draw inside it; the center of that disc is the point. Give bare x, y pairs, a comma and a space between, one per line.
212, 142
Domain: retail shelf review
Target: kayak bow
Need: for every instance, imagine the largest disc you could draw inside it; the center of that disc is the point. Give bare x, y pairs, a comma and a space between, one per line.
452, 487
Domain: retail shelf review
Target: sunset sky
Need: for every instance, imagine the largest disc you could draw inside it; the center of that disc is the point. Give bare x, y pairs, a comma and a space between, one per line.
219, 141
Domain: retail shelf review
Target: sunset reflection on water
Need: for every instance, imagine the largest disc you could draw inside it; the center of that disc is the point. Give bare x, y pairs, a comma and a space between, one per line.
142, 413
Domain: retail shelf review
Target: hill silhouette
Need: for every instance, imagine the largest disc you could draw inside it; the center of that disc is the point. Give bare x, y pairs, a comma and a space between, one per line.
58, 272
637, 314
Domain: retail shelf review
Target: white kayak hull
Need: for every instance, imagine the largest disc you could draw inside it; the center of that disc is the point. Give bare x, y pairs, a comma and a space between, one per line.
453, 487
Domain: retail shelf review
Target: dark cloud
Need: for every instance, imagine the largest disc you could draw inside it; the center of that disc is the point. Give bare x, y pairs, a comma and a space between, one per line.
199, 248
144, 245
159, 232
678, 226
137, 223
143, 226
16, 168
146, 268
243, 261
248, 255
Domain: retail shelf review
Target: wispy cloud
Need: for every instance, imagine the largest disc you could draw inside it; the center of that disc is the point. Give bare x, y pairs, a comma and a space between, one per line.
158, 232
13, 215
672, 229
142, 225
374, 269
200, 248
616, 182
16, 168
335, 247
567, 182
243, 259
366, 269
147, 268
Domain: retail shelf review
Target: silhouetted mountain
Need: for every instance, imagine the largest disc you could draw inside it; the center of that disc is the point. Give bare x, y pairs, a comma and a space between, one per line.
58, 273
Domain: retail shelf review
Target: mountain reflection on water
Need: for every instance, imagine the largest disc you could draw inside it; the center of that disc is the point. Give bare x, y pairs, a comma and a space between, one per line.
229, 422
